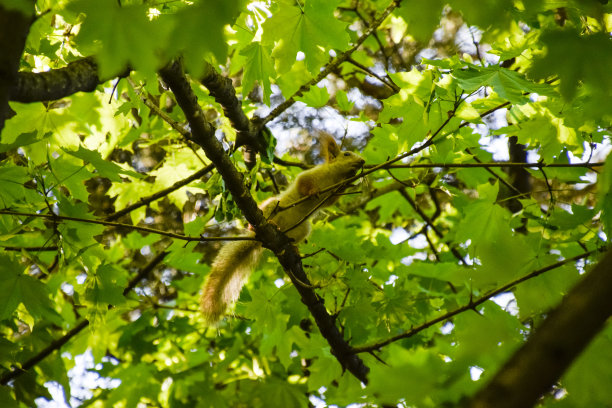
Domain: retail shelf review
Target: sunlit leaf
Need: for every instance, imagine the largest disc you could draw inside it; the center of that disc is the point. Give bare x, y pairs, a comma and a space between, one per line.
306, 28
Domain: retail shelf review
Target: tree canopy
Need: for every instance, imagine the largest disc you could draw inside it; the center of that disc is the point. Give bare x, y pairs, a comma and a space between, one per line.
467, 264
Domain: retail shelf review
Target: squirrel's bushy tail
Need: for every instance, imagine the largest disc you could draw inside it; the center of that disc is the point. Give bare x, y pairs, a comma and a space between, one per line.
230, 270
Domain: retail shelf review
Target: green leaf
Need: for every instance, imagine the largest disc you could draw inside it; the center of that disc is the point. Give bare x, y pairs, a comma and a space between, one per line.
184, 258
542, 293
446, 271
422, 17
23, 139
291, 81
53, 120
258, 67
71, 176
12, 179
10, 297
134, 240
7, 398
25, 8
343, 102
280, 393
16, 288
387, 146
483, 222
105, 168
506, 83
198, 32
493, 269
105, 286
316, 97
569, 220
586, 379
138, 381
261, 309
540, 132
486, 338
311, 28
468, 113
485, 14
119, 36
605, 197
78, 235
576, 70
409, 376
324, 371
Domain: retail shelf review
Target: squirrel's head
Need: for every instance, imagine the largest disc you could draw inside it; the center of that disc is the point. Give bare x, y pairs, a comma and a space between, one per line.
348, 162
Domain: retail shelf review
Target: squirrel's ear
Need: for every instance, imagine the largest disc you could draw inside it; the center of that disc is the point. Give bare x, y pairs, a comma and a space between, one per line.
329, 148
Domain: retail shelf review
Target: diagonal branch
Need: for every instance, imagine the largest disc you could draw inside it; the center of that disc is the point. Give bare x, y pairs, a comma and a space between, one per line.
127, 226
552, 348
267, 233
57, 344
222, 89
428, 142
470, 306
429, 222
329, 68
160, 194
488, 165
44, 353
386, 81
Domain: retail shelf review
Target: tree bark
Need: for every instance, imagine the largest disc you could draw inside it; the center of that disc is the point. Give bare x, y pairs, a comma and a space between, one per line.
14, 28
203, 134
552, 348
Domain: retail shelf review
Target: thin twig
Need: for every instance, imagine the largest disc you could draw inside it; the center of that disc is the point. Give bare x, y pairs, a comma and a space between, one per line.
160, 194
426, 144
146, 99
430, 223
368, 71
473, 303
548, 186
127, 226
57, 344
486, 165
329, 68
33, 249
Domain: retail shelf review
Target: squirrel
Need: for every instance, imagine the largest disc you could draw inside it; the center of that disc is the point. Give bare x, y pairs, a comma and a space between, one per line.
236, 259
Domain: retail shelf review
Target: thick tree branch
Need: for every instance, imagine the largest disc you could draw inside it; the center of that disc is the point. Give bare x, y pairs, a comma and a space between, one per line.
565, 333
222, 89
60, 342
14, 28
470, 306
271, 237
78, 76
